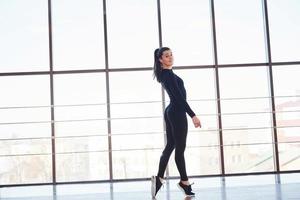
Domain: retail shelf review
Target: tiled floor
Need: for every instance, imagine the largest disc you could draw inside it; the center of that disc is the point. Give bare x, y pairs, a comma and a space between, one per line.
264, 187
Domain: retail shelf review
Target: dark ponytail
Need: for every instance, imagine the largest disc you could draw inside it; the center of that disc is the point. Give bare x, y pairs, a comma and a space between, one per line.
157, 69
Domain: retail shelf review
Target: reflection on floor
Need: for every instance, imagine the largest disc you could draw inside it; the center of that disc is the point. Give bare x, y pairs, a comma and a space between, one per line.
251, 187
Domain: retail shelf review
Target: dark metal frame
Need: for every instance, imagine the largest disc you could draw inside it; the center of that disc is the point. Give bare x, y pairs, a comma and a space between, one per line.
272, 100
51, 93
215, 66
107, 93
214, 36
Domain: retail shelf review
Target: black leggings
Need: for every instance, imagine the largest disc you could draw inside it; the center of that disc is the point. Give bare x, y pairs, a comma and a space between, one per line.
176, 128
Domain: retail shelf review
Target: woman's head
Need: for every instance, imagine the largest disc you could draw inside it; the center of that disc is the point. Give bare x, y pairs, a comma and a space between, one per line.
163, 58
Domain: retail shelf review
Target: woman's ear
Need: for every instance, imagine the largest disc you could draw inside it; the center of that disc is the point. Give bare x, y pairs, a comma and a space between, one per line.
160, 60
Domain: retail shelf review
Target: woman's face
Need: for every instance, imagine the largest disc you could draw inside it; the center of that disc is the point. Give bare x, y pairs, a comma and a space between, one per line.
166, 59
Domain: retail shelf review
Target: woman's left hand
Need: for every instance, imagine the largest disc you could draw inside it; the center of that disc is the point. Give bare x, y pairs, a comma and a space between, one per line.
196, 122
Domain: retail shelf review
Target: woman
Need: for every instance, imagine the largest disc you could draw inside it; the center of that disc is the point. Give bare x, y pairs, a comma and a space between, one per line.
175, 120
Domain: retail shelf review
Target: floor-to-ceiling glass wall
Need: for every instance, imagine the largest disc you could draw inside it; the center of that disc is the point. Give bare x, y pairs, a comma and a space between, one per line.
79, 102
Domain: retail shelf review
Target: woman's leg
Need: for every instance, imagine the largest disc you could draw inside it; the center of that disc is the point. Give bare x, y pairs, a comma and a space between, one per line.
180, 126
164, 159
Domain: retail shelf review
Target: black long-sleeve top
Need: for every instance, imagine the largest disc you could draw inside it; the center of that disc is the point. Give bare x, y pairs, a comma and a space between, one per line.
174, 86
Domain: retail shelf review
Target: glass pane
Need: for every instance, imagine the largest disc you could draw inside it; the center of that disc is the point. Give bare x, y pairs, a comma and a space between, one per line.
137, 141
79, 128
260, 104
284, 23
245, 121
286, 81
133, 110
202, 154
249, 158
28, 130
245, 105
77, 34
289, 148
21, 94
237, 138
135, 164
81, 111
288, 118
144, 125
25, 169
243, 82
24, 35
80, 104
20, 117
82, 166
244, 94
25, 106
139, 109
135, 87
240, 31
25, 115
287, 100
25, 146
81, 144
202, 161
132, 33
190, 42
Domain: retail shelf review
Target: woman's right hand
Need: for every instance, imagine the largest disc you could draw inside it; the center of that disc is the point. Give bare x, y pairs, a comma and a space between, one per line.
196, 122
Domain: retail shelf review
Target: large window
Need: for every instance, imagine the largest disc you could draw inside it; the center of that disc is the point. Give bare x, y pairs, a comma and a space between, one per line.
106, 121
